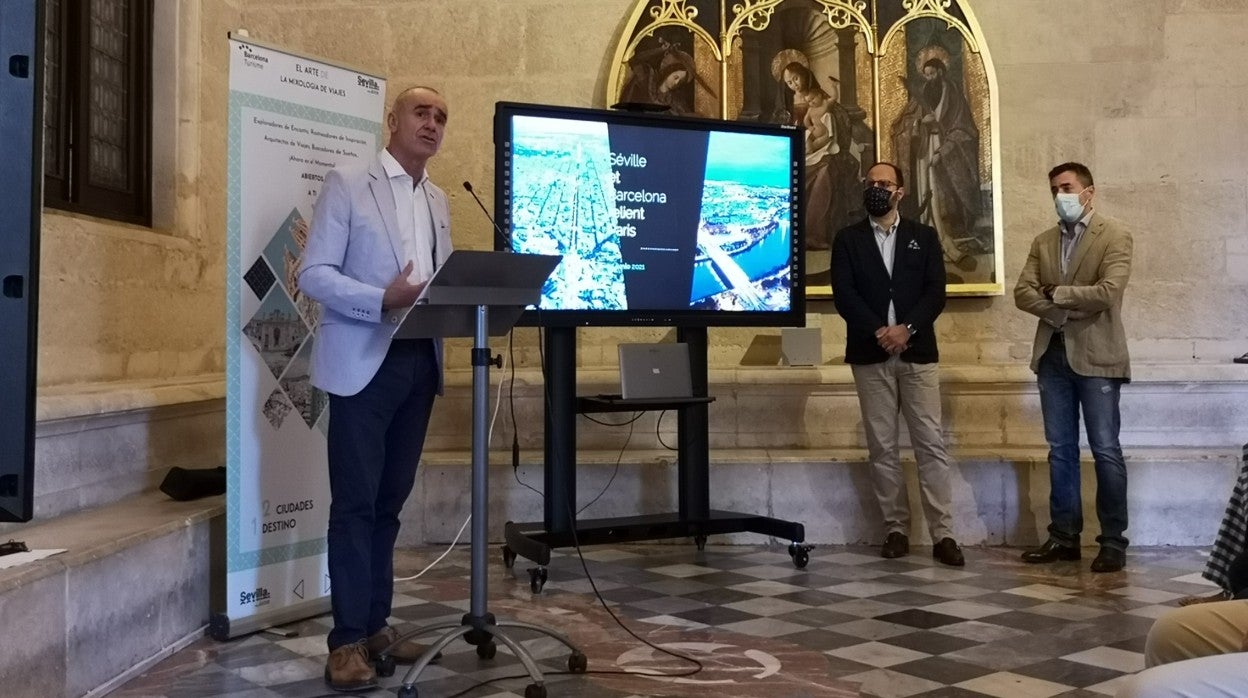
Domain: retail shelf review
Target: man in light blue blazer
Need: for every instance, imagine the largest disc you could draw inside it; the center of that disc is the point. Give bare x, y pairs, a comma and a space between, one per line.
379, 231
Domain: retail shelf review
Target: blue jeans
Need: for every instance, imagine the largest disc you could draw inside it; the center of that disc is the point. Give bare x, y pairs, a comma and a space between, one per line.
1062, 393
375, 440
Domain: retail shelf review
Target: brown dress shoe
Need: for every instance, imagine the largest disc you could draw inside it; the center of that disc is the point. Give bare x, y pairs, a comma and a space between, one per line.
1109, 560
349, 669
1050, 552
895, 545
947, 552
406, 652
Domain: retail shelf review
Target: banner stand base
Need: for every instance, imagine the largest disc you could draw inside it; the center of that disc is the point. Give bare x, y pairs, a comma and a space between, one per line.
222, 628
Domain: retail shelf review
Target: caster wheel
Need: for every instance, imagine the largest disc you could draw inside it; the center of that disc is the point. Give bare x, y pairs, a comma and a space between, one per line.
700, 541
535, 690
488, 650
509, 557
537, 580
577, 663
385, 666
800, 554
407, 692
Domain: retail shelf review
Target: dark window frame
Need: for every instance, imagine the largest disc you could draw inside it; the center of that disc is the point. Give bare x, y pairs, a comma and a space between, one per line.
71, 188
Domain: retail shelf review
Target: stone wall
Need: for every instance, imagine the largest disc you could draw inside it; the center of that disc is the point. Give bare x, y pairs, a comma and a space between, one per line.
1143, 96
123, 302
1133, 90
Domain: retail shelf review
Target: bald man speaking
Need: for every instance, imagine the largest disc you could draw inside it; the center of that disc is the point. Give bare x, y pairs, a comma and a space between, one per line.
379, 232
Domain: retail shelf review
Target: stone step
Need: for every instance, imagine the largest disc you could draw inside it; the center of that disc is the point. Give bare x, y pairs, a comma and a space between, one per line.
1176, 496
132, 586
984, 406
100, 443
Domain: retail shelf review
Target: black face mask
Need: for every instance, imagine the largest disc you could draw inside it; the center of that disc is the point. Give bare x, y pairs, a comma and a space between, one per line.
877, 201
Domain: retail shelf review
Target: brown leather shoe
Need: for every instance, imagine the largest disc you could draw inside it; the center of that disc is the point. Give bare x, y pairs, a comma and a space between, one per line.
895, 545
349, 669
1051, 551
406, 652
947, 552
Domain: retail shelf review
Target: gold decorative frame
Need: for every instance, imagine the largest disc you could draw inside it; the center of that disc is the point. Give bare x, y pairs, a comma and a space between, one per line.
717, 29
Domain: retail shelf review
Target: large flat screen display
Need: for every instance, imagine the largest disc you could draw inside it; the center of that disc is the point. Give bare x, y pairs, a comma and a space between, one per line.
660, 220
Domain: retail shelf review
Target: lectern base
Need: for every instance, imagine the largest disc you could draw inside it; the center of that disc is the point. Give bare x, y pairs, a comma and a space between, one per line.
482, 631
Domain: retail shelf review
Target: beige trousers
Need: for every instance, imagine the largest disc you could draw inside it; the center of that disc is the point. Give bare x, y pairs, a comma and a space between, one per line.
1195, 652
885, 391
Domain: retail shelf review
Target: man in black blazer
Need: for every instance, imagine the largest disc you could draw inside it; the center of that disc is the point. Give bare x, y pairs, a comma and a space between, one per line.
888, 281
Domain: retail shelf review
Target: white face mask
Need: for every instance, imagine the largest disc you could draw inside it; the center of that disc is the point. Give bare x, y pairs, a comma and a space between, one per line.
1068, 207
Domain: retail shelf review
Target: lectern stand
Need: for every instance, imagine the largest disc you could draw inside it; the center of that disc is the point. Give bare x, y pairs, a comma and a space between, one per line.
477, 294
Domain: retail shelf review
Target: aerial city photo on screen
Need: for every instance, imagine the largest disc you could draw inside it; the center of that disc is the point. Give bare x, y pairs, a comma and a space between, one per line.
744, 235
654, 218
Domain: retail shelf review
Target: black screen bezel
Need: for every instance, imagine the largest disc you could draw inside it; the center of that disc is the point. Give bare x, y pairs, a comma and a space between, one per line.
795, 316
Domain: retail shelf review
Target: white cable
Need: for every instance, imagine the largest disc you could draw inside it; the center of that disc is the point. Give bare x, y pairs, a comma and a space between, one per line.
498, 402
444, 554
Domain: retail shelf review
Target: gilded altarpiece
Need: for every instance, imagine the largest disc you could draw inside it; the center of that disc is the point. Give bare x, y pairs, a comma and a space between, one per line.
906, 81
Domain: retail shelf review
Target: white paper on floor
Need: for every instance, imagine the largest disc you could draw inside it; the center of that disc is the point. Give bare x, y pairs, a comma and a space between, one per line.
15, 559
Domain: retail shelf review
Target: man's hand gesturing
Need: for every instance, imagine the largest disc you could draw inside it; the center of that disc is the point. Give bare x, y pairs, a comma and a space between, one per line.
400, 293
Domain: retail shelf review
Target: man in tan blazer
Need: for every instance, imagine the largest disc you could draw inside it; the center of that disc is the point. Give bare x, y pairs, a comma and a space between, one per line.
1073, 281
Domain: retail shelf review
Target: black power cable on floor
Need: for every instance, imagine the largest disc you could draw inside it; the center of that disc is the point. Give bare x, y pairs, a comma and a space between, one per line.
576, 543
697, 665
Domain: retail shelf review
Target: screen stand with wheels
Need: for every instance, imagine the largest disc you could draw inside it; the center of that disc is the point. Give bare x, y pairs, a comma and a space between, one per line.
694, 518
458, 303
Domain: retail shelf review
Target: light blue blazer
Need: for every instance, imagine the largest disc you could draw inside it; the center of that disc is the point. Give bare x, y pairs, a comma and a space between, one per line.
352, 255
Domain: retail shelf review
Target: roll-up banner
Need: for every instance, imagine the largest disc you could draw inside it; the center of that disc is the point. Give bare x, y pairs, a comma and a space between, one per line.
292, 118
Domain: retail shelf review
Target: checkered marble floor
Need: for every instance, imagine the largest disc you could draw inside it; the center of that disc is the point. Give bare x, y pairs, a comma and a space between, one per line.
848, 624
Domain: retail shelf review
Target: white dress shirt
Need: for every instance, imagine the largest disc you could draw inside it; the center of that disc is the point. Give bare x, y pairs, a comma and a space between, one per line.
411, 203
886, 240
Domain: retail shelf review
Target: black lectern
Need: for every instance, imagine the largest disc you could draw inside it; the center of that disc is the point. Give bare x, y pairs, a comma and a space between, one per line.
478, 294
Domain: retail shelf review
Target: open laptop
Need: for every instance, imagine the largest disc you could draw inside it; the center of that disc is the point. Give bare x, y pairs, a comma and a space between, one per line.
655, 371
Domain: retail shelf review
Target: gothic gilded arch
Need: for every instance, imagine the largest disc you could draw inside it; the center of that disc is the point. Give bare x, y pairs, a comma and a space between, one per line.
908, 81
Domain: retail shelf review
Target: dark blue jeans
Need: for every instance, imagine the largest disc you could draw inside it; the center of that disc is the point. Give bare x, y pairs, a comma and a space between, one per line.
375, 440
1062, 393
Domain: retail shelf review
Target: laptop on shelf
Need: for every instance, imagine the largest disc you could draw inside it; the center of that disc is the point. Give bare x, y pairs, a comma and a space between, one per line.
655, 371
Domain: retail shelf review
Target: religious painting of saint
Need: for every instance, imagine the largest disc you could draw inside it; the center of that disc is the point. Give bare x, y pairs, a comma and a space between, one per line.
906, 81
833, 156
664, 75
801, 70
936, 130
670, 69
